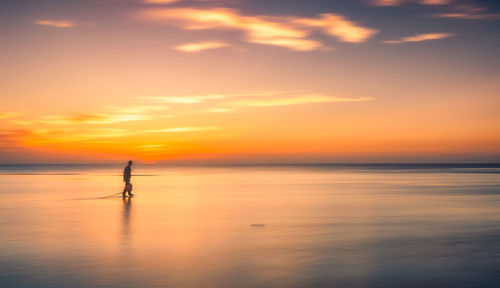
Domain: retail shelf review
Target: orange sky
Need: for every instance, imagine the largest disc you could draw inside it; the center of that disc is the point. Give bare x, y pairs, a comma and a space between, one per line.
249, 82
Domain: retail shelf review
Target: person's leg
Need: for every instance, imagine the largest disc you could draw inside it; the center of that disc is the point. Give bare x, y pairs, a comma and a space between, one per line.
124, 189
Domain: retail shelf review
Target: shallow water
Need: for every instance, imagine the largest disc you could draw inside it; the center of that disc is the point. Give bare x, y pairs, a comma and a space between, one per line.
261, 226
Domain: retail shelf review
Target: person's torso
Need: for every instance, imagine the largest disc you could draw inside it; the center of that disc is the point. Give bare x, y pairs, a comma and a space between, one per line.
127, 171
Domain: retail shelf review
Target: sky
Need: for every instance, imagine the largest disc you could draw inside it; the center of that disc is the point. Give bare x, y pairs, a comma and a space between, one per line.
275, 81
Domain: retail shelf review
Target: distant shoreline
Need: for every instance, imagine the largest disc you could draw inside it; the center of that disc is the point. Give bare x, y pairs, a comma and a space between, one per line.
248, 164
148, 169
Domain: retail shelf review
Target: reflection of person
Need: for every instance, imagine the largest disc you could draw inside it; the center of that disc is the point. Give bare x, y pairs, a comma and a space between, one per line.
127, 174
127, 211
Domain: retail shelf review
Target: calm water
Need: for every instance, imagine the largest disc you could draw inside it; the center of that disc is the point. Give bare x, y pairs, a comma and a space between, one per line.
307, 226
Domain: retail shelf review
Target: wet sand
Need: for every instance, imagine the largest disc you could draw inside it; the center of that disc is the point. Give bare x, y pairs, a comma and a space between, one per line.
269, 226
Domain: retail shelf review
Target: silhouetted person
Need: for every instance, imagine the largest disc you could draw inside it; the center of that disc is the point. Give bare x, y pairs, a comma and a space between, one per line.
127, 174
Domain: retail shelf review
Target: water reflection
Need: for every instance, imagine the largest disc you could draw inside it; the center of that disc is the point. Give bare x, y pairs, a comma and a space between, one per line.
237, 227
127, 208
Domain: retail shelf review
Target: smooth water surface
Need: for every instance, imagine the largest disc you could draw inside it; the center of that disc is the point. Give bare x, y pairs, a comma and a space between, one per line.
267, 226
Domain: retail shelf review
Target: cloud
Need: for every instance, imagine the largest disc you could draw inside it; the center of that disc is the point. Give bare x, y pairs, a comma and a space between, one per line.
13, 134
151, 147
403, 2
468, 16
387, 2
11, 139
73, 119
91, 118
96, 134
420, 38
112, 114
160, 1
137, 109
195, 99
181, 129
297, 99
257, 29
458, 9
339, 27
293, 44
56, 23
87, 136
468, 11
176, 1
173, 100
200, 46
5, 115
218, 110
227, 102
435, 2
88, 118
288, 32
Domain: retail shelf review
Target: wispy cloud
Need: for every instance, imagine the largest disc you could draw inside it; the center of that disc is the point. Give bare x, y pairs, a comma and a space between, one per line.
468, 16
181, 129
468, 11
83, 118
420, 38
152, 147
12, 138
111, 114
194, 99
218, 110
291, 43
160, 1
339, 27
200, 46
387, 2
402, 2
72, 119
4, 115
296, 99
459, 9
93, 137
228, 102
435, 2
257, 29
289, 32
94, 134
56, 23
173, 100
140, 109
88, 119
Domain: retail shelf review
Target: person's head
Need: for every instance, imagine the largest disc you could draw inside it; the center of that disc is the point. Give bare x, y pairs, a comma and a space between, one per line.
130, 162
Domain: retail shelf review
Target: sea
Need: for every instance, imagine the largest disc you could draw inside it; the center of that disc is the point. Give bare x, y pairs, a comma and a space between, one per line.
228, 225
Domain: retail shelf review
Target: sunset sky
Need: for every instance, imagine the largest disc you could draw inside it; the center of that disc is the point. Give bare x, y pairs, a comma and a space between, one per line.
97, 81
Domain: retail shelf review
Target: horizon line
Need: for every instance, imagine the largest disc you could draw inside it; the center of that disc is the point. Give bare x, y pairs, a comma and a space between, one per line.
255, 163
